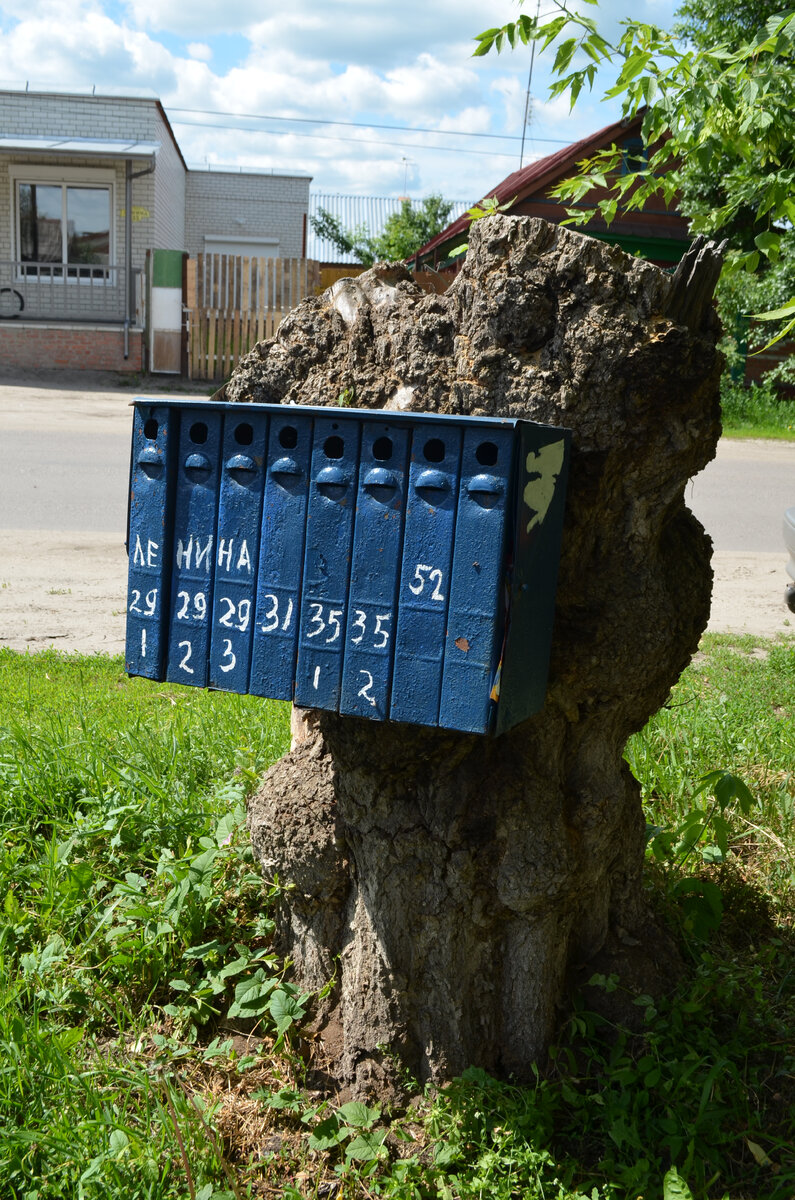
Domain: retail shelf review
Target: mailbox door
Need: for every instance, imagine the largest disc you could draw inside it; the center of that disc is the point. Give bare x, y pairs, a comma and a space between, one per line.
425, 577
239, 511
195, 514
151, 486
375, 571
329, 531
540, 502
476, 617
281, 554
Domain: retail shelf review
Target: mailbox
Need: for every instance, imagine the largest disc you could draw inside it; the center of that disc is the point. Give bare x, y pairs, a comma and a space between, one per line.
392, 566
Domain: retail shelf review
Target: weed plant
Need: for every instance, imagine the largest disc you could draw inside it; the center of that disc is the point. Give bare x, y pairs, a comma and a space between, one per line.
151, 1045
758, 410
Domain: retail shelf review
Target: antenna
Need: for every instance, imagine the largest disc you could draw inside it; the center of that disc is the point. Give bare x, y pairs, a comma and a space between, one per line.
529, 81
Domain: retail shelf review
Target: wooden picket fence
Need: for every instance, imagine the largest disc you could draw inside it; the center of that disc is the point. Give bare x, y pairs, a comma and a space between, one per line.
232, 302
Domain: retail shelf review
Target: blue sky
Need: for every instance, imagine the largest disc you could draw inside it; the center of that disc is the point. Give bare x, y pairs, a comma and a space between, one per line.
289, 73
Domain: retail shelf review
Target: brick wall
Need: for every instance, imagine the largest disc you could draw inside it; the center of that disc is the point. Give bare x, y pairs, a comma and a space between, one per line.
82, 347
158, 200
240, 206
168, 194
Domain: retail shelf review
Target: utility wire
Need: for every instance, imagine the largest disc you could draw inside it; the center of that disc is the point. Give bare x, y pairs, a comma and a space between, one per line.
210, 112
330, 137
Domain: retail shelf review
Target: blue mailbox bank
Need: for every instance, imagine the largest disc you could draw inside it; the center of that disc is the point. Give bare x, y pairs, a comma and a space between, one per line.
395, 566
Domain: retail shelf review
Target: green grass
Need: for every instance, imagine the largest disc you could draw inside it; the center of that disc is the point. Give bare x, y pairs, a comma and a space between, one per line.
151, 1047
757, 411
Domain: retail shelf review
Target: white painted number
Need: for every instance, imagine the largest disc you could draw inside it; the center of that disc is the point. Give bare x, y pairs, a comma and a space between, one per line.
143, 643
380, 631
361, 617
366, 692
272, 615
199, 606
317, 619
334, 615
183, 666
433, 574
150, 602
316, 678
242, 612
228, 654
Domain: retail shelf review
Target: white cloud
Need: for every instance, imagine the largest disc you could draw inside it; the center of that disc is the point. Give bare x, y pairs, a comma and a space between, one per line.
349, 60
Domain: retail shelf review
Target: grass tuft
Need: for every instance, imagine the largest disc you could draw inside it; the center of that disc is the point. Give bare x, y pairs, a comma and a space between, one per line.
151, 1044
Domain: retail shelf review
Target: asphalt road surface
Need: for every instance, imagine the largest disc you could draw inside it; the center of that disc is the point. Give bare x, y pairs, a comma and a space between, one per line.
64, 462
740, 497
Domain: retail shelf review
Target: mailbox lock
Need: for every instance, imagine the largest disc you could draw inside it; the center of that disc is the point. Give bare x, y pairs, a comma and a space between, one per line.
241, 462
331, 477
150, 461
285, 466
198, 462
486, 489
380, 477
432, 481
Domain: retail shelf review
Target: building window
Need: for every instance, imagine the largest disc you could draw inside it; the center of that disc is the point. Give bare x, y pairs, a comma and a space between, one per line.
63, 230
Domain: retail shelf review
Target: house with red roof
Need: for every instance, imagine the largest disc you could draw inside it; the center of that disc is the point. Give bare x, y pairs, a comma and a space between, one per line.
657, 232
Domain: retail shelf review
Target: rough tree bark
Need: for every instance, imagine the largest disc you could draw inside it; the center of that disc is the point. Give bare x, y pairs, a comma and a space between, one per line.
451, 882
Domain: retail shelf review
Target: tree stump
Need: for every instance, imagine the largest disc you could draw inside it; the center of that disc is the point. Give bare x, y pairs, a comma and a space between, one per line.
453, 883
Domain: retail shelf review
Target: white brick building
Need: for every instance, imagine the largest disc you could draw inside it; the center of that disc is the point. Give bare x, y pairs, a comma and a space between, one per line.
72, 256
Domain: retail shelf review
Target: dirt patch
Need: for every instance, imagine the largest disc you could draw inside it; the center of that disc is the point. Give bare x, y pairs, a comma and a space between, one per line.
68, 590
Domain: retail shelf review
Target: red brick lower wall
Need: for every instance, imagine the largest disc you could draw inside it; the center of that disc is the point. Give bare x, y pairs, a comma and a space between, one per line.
92, 348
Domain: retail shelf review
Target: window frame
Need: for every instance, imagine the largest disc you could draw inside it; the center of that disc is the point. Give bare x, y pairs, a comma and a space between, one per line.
101, 178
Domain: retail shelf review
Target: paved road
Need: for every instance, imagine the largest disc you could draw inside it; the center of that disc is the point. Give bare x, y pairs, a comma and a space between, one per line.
64, 459
66, 453
740, 497
75, 482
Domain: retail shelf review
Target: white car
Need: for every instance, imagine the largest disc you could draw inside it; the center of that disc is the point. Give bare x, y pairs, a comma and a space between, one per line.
789, 542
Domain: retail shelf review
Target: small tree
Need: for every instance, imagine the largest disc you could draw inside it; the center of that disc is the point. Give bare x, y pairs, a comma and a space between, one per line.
404, 232
719, 109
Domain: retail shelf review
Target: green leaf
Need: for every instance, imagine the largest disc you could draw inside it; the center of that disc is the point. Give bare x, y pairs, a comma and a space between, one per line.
326, 1134
252, 996
674, 1187
367, 1146
118, 1142
776, 314
358, 1115
285, 1098
285, 1009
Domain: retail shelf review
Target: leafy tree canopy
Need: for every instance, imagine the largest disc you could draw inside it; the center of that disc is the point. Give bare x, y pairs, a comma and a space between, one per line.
404, 231
723, 108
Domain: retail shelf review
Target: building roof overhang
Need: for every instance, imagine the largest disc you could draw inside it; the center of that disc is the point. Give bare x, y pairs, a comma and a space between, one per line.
78, 147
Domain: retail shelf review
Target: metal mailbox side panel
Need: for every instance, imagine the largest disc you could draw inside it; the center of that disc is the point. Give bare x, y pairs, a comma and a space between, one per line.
195, 516
476, 616
431, 503
155, 430
281, 557
238, 539
329, 531
542, 472
375, 570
